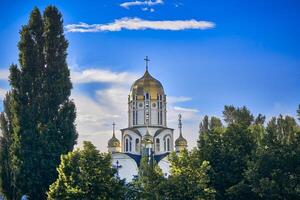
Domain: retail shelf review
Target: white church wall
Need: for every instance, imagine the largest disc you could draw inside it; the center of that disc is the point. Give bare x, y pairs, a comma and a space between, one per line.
164, 164
167, 133
127, 166
133, 138
154, 116
140, 116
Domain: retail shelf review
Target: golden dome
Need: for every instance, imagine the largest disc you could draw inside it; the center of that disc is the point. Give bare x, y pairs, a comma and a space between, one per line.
146, 84
113, 142
147, 139
181, 141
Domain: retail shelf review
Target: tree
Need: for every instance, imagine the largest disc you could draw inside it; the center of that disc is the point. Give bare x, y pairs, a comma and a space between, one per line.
6, 186
189, 178
42, 115
25, 92
240, 116
86, 174
228, 149
298, 112
149, 182
260, 119
274, 173
59, 114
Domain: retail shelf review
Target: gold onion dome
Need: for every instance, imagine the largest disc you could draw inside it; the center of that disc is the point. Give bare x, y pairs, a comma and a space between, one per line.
147, 139
146, 84
180, 141
113, 142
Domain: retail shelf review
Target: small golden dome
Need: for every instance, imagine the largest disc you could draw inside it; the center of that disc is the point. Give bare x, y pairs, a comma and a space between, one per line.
146, 84
113, 142
147, 139
181, 141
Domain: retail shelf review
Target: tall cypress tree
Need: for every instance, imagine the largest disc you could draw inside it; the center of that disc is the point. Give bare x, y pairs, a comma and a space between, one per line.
57, 121
6, 187
42, 115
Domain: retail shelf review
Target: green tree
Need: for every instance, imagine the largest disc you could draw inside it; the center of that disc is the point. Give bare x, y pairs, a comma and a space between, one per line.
240, 116
189, 178
298, 112
58, 111
41, 115
149, 182
228, 149
6, 187
86, 174
274, 173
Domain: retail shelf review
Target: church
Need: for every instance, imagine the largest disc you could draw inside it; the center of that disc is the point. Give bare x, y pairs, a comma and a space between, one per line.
147, 133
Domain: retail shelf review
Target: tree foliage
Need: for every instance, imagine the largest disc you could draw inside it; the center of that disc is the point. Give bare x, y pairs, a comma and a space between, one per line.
189, 178
6, 186
149, 182
275, 171
86, 174
227, 149
40, 116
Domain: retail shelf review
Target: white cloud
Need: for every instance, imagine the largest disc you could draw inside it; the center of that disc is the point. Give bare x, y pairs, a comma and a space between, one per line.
2, 93
128, 4
173, 99
140, 24
178, 108
4, 74
103, 76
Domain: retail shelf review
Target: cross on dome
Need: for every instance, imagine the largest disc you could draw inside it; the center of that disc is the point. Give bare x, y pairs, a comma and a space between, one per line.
147, 61
180, 124
113, 124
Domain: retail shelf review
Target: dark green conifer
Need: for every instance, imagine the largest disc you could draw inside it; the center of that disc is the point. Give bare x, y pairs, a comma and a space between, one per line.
41, 114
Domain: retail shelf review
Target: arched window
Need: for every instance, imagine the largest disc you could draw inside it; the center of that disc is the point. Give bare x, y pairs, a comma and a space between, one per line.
126, 145
130, 145
137, 145
168, 144
157, 147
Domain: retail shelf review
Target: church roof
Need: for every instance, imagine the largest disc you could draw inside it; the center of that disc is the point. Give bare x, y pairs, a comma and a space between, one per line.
146, 84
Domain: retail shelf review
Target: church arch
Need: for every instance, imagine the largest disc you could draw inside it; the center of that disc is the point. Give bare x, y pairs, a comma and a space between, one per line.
167, 142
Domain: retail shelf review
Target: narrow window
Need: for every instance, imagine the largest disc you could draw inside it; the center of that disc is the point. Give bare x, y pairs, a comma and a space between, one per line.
157, 145
130, 146
126, 145
168, 144
137, 145
133, 117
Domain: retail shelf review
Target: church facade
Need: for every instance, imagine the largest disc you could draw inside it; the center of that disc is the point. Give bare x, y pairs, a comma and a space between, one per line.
147, 133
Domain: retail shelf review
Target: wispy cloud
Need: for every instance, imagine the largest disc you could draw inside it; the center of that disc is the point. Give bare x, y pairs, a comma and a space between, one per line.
102, 76
141, 24
173, 100
178, 108
128, 4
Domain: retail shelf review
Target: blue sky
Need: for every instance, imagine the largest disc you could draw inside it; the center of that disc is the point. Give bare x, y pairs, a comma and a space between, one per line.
247, 54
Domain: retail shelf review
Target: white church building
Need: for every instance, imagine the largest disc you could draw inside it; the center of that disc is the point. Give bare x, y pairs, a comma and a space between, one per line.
147, 133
